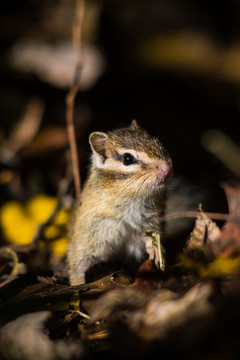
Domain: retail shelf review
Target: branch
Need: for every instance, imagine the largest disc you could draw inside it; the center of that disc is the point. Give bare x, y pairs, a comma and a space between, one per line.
70, 98
194, 214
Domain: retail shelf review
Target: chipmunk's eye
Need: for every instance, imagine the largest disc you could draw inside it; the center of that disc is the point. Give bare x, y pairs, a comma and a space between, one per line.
128, 159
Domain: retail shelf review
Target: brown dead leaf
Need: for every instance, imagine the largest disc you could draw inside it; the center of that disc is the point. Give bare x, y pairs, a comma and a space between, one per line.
147, 276
228, 241
90, 292
164, 314
125, 298
153, 315
205, 232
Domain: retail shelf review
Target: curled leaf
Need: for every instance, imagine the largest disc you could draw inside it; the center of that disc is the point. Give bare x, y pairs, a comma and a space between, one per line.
228, 241
205, 232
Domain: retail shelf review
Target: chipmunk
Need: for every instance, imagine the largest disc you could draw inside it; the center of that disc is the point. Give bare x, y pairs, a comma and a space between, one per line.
124, 195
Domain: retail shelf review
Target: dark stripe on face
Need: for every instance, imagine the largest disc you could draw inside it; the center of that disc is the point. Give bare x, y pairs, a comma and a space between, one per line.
117, 156
113, 175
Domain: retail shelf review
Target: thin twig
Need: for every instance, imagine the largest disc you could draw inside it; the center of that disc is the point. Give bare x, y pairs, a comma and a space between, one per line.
194, 214
82, 314
63, 187
156, 242
160, 253
70, 98
77, 39
40, 233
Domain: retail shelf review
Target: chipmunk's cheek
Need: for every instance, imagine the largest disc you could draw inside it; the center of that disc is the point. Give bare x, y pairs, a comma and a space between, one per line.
163, 170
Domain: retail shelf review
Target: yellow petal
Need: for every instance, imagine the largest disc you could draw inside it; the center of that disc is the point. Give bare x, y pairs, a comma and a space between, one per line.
59, 247
40, 207
17, 227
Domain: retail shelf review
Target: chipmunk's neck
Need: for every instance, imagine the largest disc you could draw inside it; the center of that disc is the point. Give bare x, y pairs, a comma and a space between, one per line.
120, 202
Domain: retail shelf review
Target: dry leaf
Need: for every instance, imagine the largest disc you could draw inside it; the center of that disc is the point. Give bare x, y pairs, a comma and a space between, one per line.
147, 276
155, 314
162, 315
204, 233
125, 298
228, 241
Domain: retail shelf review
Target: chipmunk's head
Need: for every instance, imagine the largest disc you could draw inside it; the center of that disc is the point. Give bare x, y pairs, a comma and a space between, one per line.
132, 158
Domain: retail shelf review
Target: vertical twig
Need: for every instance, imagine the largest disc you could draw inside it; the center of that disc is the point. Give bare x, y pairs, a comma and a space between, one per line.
160, 253
70, 98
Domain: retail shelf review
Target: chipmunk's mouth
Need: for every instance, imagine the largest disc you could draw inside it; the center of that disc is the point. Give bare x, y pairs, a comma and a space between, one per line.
163, 173
164, 169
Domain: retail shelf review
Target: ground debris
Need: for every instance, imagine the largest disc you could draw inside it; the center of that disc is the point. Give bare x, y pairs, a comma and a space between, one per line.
24, 339
179, 310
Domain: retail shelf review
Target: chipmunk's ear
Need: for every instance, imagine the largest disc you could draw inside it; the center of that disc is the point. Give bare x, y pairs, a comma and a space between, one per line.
97, 141
134, 123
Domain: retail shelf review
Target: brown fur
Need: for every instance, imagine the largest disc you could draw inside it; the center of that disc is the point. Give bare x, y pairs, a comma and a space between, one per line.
118, 202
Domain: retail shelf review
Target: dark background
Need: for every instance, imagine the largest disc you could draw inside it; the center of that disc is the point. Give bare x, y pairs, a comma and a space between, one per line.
178, 100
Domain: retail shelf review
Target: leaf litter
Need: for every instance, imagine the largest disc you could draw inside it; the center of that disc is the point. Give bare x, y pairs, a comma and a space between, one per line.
187, 311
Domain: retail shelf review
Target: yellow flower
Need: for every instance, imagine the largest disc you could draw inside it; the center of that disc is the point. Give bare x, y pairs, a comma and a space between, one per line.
16, 225
59, 246
20, 223
40, 207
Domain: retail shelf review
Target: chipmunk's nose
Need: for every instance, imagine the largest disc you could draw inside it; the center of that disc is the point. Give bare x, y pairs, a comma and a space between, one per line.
163, 170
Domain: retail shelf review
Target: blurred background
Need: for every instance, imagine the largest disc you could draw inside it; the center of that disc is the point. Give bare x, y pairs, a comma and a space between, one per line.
173, 65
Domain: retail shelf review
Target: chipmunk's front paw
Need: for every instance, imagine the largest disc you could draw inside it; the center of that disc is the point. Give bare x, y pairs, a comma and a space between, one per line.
77, 278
